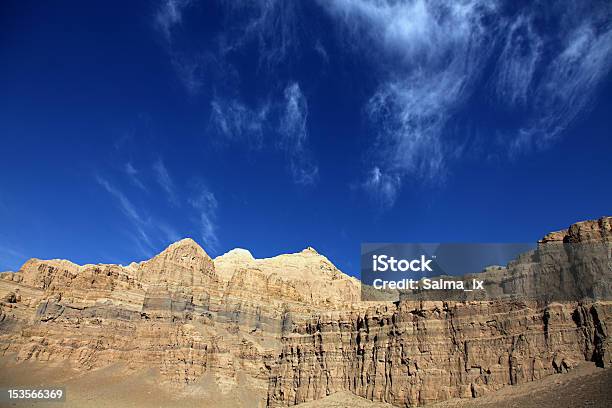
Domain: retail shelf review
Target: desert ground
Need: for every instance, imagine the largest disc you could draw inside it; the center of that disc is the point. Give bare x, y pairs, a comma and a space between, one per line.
585, 386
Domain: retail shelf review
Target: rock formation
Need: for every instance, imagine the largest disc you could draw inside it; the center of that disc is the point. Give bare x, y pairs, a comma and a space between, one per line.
291, 328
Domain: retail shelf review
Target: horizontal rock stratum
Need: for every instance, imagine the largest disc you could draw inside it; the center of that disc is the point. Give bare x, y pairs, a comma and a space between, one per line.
289, 329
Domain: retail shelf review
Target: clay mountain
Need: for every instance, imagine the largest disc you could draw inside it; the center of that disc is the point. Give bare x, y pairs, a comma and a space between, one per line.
183, 329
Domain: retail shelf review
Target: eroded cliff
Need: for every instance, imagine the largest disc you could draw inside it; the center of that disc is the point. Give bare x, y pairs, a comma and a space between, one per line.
415, 353
289, 329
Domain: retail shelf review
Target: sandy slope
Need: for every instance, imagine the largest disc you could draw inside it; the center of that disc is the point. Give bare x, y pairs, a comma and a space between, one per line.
115, 387
585, 386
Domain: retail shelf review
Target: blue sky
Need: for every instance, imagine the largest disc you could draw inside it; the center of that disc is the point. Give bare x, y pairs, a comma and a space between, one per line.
275, 125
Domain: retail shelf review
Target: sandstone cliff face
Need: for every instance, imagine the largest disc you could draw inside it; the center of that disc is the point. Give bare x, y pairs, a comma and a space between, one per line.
179, 313
289, 329
415, 353
419, 354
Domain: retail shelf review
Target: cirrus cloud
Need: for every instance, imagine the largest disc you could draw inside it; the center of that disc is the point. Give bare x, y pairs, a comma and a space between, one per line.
286, 120
432, 57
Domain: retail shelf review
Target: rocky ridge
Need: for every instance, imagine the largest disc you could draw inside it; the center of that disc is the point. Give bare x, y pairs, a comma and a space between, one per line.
291, 328
181, 313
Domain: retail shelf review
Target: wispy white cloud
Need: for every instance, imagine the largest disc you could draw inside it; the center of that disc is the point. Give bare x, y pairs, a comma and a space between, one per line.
293, 120
169, 15
190, 67
567, 86
287, 120
169, 232
139, 223
125, 204
518, 61
432, 56
190, 70
236, 121
205, 203
150, 233
320, 49
294, 135
272, 24
134, 175
165, 181
383, 187
438, 50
